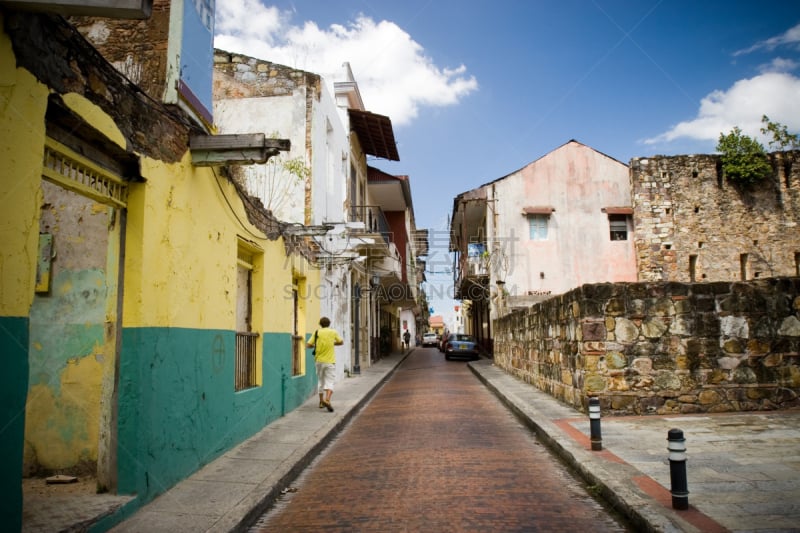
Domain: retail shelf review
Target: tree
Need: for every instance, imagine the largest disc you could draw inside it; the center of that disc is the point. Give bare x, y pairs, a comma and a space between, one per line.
744, 159
781, 138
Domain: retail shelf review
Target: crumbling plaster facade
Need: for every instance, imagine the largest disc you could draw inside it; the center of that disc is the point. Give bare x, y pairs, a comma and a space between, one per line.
253, 95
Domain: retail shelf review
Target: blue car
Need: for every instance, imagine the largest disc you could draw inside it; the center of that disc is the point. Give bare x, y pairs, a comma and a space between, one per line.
461, 345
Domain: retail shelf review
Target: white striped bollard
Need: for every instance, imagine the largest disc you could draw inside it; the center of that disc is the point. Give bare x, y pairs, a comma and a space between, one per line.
676, 445
594, 424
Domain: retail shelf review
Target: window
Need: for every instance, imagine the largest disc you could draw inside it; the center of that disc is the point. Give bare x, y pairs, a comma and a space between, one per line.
537, 225
246, 349
618, 224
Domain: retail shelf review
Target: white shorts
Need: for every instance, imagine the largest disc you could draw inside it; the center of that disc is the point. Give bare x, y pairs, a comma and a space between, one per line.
326, 374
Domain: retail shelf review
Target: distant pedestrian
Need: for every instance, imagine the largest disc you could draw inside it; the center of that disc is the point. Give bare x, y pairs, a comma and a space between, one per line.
407, 339
323, 341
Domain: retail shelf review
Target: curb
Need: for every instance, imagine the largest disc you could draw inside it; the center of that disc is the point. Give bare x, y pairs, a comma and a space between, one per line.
258, 508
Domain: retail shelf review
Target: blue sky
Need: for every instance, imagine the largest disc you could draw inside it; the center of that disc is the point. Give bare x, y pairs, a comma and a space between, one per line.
478, 89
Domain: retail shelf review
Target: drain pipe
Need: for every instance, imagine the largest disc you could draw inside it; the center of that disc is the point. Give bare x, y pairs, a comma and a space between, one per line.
283, 390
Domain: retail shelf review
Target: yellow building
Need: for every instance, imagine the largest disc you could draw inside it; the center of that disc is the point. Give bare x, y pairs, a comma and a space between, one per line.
151, 317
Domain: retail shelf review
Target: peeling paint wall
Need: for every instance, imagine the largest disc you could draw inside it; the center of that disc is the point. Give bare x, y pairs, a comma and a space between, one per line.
253, 95
72, 335
21, 95
177, 407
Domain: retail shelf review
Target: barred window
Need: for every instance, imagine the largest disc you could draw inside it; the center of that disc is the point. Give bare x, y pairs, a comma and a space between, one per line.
246, 350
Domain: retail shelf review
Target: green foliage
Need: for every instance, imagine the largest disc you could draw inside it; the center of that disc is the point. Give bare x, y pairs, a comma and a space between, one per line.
296, 167
781, 138
743, 158
276, 181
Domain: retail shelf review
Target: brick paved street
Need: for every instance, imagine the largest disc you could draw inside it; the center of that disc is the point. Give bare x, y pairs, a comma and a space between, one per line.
434, 450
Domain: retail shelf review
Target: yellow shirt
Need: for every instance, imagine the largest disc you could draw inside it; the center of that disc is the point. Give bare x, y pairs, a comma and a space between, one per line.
326, 339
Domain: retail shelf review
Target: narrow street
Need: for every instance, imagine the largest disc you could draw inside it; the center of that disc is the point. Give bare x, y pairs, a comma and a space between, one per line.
435, 451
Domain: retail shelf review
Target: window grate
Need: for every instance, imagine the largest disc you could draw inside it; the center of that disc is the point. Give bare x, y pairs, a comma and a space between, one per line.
74, 172
246, 351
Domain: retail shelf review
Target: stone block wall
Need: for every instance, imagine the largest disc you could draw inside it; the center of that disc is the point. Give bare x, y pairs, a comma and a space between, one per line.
661, 348
240, 76
692, 224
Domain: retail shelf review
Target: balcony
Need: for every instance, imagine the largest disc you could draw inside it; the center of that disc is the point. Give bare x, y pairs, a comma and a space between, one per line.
374, 221
377, 236
390, 265
472, 277
477, 266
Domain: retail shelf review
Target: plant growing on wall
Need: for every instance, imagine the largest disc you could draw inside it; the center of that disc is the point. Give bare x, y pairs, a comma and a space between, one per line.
274, 182
781, 138
744, 159
278, 178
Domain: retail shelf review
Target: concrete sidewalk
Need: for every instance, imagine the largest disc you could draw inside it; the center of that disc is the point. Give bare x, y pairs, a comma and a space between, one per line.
743, 469
233, 490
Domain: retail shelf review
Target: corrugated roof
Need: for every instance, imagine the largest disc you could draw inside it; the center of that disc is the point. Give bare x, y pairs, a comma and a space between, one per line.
375, 134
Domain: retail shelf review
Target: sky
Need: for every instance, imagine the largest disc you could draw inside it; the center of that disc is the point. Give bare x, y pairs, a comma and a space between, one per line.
478, 89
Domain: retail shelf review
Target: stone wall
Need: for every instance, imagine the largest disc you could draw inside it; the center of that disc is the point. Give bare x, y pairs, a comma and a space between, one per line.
661, 348
40, 42
241, 76
692, 224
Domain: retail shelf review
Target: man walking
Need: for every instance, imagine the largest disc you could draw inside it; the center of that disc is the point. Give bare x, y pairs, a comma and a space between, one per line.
323, 341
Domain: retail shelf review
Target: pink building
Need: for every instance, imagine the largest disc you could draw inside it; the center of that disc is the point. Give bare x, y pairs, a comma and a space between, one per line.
559, 222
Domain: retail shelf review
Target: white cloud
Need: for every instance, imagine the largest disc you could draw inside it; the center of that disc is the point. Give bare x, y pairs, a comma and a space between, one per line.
789, 37
394, 75
249, 20
774, 94
779, 64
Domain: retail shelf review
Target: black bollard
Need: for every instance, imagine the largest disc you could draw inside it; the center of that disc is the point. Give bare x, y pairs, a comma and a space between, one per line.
594, 424
676, 445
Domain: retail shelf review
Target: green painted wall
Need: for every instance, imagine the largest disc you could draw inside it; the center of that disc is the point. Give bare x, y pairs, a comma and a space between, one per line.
13, 390
68, 353
177, 407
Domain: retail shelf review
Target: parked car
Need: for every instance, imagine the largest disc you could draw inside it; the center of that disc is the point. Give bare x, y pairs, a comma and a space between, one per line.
461, 345
430, 339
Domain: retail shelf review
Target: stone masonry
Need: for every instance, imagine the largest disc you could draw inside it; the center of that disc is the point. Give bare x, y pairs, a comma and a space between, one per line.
240, 76
661, 347
692, 224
